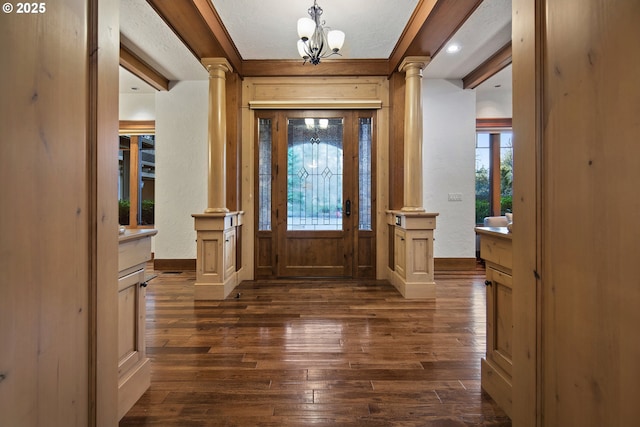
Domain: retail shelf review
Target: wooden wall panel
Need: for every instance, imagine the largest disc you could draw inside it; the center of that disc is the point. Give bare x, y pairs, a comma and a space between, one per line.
59, 218
396, 141
103, 141
591, 237
366, 255
44, 307
575, 155
526, 261
234, 133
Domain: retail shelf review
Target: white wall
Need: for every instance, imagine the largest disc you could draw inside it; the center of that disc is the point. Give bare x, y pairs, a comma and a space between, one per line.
137, 106
493, 103
449, 164
181, 167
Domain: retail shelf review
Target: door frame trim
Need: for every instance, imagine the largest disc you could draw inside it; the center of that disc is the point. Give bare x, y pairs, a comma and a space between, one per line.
306, 93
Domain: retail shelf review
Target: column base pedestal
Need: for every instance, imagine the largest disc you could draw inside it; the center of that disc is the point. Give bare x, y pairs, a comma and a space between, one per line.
411, 253
216, 264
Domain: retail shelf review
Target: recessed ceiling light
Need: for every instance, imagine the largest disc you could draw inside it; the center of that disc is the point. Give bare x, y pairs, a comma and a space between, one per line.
453, 48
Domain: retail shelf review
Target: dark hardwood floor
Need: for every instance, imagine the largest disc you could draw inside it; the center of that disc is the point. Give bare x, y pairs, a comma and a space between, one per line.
321, 353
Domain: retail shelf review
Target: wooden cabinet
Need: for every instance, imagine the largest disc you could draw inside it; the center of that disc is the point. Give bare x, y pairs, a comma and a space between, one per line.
134, 370
497, 365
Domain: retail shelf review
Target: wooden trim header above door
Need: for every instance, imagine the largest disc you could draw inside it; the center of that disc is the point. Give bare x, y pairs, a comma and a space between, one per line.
361, 93
137, 127
316, 104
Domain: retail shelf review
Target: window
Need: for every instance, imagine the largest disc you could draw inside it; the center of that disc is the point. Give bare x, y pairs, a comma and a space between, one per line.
264, 174
136, 178
314, 174
494, 173
365, 143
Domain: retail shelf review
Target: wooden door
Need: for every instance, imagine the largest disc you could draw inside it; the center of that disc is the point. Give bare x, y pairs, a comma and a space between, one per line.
315, 182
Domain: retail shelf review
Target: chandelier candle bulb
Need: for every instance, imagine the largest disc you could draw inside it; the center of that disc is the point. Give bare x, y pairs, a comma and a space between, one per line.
306, 28
336, 40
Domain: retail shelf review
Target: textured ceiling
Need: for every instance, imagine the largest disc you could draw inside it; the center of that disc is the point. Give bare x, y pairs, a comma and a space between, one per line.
483, 34
147, 35
266, 29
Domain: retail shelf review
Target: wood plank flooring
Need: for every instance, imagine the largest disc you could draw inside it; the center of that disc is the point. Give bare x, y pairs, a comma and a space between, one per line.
321, 353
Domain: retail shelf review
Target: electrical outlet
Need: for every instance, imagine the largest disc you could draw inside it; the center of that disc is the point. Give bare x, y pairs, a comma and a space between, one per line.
455, 197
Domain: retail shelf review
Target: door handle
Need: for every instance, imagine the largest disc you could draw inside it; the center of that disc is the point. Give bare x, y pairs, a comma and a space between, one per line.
347, 210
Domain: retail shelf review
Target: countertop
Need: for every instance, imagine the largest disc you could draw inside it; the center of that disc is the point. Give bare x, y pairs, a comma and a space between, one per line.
136, 233
495, 231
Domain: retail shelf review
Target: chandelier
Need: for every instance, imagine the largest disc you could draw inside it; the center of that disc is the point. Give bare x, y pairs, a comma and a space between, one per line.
317, 42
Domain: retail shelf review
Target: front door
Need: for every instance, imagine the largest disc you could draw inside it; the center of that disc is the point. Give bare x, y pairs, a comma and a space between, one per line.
317, 194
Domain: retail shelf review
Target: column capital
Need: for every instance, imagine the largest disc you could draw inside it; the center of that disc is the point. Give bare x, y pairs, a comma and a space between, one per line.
413, 62
215, 64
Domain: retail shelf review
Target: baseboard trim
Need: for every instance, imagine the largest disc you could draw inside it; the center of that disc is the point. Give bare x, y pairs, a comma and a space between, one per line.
174, 264
442, 264
446, 264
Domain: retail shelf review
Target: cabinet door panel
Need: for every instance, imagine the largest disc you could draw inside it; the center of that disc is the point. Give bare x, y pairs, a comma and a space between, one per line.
400, 251
499, 319
130, 300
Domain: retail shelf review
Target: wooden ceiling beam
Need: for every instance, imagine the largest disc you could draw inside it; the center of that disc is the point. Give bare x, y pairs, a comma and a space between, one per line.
219, 32
139, 68
488, 68
329, 67
430, 27
410, 32
187, 22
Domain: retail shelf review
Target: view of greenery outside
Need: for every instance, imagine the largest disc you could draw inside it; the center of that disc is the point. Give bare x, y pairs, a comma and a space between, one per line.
148, 207
483, 185
482, 194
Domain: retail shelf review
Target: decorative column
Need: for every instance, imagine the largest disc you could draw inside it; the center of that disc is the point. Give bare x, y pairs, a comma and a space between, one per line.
411, 248
412, 66
217, 183
216, 228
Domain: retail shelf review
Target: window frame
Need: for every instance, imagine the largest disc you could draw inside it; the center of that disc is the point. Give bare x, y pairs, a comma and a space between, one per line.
135, 128
494, 127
